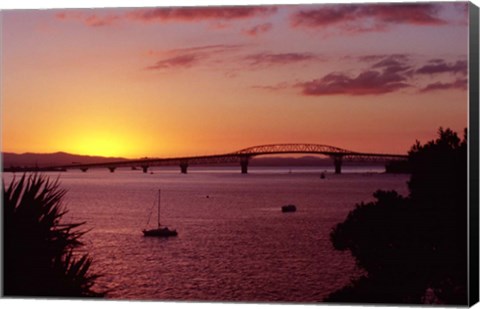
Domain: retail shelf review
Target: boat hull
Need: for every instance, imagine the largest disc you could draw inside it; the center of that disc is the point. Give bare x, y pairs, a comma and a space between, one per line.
161, 232
289, 208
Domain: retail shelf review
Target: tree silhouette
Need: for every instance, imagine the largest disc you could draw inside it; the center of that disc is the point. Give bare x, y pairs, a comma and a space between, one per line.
414, 249
40, 256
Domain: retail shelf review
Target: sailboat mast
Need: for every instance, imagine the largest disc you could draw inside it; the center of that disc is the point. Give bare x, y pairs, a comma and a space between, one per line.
158, 213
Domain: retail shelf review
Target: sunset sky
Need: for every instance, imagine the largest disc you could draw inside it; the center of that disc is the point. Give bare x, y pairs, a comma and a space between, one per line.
162, 82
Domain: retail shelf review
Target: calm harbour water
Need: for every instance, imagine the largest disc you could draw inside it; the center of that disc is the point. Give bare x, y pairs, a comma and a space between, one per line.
234, 245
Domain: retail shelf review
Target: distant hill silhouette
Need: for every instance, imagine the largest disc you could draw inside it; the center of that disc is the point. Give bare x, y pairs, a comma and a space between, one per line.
50, 159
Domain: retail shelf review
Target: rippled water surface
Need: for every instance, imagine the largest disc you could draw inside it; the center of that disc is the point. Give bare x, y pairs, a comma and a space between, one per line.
234, 245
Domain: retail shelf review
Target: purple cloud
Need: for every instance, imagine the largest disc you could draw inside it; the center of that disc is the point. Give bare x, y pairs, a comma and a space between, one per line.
395, 64
437, 66
460, 84
413, 14
387, 74
366, 83
268, 59
325, 16
383, 74
367, 17
380, 57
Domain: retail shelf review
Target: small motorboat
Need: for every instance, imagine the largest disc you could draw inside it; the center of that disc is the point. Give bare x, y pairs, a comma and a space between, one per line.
289, 208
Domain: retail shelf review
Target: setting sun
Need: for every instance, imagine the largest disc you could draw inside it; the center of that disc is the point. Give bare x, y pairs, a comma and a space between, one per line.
101, 144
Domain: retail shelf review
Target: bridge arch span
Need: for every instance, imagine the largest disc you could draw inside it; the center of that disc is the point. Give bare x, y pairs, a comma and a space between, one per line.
335, 153
292, 148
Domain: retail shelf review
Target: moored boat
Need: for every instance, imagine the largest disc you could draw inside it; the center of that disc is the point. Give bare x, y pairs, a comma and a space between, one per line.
160, 231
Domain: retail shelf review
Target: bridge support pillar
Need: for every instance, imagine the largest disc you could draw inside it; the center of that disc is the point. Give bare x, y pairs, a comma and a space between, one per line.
337, 161
84, 169
183, 167
112, 169
145, 168
244, 164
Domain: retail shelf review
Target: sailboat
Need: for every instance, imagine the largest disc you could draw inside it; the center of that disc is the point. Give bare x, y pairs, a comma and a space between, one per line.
159, 231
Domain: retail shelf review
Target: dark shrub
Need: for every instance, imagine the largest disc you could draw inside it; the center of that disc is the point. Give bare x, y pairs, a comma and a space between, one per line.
416, 245
39, 250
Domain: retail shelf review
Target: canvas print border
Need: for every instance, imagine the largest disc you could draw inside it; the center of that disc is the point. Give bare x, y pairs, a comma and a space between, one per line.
473, 152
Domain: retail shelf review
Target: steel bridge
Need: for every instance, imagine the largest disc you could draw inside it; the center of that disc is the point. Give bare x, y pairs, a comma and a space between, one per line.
243, 156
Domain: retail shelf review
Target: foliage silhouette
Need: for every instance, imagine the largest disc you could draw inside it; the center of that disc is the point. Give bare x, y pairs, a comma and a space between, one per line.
40, 252
414, 249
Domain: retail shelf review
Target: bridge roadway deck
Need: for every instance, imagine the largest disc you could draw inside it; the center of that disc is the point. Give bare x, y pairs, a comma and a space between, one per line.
242, 157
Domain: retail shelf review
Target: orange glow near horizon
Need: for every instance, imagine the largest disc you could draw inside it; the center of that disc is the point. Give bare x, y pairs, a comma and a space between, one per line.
106, 145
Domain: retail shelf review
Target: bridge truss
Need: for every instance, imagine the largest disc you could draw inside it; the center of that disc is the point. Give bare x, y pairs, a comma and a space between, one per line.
243, 156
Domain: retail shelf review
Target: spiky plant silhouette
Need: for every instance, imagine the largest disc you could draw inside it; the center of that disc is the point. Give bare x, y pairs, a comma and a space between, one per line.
41, 255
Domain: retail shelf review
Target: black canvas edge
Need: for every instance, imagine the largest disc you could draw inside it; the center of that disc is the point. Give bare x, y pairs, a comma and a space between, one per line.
473, 152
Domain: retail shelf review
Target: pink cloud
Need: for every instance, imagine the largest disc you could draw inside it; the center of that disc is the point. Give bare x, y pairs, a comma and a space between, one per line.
209, 49
177, 61
380, 57
184, 14
367, 17
267, 59
280, 86
91, 20
200, 13
259, 29
190, 56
